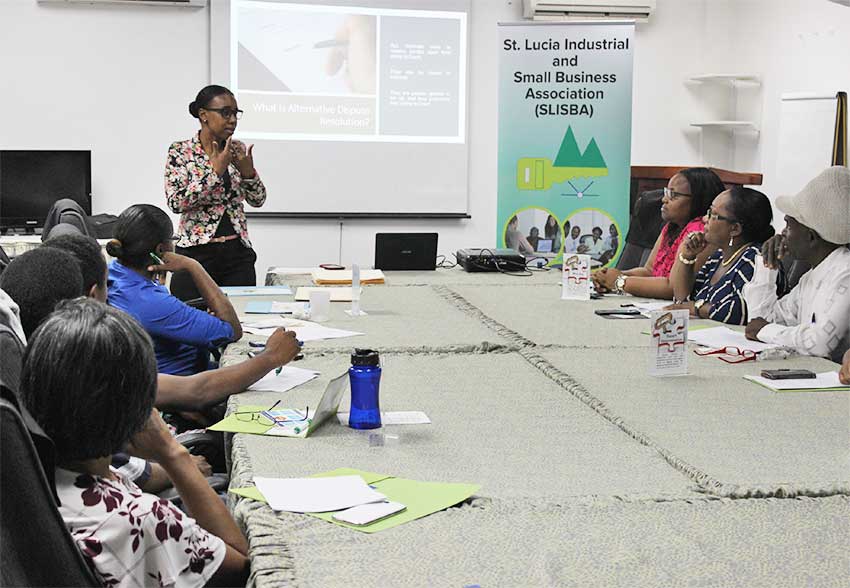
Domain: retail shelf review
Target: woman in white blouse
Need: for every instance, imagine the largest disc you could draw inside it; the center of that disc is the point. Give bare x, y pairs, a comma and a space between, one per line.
89, 379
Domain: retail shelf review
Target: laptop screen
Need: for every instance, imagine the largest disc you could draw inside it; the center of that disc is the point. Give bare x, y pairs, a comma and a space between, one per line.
544, 245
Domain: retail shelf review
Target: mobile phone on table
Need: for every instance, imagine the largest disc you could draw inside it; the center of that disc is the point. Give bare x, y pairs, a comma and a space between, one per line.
365, 514
618, 311
788, 374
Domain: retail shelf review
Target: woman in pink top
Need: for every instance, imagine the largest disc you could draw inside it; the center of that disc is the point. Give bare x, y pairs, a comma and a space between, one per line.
686, 200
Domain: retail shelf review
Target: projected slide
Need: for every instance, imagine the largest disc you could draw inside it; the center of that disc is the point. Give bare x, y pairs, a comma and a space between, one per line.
319, 72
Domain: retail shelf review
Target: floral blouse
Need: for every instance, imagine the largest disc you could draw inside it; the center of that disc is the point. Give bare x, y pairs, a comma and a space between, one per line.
200, 197
133, 539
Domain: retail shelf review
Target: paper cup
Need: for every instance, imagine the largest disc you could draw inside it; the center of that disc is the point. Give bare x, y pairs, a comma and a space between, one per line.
320, 305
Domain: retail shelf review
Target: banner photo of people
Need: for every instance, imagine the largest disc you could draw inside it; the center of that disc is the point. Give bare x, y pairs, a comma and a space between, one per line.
565, 120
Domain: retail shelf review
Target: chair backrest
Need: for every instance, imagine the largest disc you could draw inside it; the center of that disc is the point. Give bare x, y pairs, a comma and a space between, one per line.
35, 545
646, 222
4, 260
65, 211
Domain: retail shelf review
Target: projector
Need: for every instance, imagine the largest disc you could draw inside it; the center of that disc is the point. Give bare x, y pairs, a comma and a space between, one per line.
490, 260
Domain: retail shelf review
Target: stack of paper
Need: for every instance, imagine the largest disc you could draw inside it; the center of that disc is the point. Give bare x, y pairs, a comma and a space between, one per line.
421, 498
316, 494
288, 378
324, 277
824, 381
718, 337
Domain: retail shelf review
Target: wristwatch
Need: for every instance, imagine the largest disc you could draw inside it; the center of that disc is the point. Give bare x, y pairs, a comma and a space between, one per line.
698, 304
620, 283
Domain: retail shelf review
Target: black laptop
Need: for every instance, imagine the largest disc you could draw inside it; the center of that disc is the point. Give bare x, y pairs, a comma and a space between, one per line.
406, 251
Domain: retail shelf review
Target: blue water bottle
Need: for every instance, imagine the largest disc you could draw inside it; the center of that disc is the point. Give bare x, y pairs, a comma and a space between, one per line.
365, 377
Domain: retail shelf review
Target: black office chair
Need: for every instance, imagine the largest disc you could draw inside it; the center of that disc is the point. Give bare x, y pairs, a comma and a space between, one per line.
35, 545
644, 227
68, 212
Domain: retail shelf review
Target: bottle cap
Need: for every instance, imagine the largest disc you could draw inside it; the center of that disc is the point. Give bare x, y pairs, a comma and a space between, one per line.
365, 357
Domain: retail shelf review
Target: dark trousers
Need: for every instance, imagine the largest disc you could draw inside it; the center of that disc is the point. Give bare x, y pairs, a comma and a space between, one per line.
229, 264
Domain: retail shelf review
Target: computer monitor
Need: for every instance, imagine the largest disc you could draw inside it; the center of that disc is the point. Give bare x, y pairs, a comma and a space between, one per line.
544, 245
32, 181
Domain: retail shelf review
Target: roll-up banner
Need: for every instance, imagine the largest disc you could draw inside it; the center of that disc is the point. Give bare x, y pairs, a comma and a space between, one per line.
565, 120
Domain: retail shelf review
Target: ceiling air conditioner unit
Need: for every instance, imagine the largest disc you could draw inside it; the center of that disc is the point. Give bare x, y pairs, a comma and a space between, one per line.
638, 10
178, 3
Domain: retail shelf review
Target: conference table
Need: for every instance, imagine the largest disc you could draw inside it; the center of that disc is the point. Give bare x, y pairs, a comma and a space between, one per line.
592, 472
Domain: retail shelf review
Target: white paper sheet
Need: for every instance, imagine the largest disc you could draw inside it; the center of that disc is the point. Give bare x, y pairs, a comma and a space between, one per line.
316, 494
823, 381
726, 337
289, 378
304, 330
405, 417
255, 290
291, 271
340, 294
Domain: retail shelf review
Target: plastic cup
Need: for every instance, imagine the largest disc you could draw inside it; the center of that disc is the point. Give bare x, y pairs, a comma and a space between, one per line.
320, 305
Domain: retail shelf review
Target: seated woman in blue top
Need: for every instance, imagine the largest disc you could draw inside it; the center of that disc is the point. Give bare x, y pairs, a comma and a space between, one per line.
182, 335
736, 225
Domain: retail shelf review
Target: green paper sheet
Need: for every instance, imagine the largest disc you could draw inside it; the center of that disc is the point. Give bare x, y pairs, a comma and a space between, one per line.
231, 424
420, 498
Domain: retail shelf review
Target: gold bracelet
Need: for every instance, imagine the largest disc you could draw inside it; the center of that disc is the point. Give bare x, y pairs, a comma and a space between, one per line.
687, 261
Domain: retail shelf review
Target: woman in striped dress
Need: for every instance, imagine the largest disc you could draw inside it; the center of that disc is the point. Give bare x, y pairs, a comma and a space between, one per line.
736, 225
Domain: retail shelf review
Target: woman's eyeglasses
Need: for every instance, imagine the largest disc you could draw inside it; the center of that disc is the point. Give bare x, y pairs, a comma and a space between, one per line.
728, 354
262, 416
227, 112
711, 215
672, 194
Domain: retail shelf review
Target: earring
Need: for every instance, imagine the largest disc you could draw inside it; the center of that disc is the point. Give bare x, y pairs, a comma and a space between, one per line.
731, 241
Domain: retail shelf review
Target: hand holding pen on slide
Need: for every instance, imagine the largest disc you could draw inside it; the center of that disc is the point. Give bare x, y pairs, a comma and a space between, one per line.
353, 46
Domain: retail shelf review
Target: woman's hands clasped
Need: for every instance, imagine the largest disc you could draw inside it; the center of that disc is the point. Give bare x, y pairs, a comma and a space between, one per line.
237, 153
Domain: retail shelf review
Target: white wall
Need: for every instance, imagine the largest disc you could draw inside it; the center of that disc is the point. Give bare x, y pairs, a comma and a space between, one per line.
797, 46
117, 79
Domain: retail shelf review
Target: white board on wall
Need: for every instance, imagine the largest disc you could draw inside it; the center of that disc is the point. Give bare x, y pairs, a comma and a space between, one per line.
806, 134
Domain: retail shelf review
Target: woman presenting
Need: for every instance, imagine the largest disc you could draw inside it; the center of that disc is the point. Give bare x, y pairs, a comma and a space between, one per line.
207, 178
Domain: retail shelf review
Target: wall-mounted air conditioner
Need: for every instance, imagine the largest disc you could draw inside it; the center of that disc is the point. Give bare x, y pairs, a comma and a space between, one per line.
177, 3
638, 10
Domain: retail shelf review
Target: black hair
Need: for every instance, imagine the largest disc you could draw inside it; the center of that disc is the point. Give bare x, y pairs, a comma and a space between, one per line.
594, 229
89, 379
752, 209
39, 279
204, 97
138, 231
88, 254
704, 187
